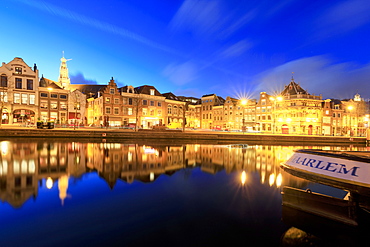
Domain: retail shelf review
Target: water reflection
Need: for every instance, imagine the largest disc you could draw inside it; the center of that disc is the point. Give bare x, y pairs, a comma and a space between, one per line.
25, 167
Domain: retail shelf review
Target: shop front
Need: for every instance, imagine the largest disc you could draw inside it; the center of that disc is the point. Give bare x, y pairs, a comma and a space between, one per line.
22, 116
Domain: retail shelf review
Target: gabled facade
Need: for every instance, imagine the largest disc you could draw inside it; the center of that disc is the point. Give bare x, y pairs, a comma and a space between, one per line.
299, 112
53, 102
18, 92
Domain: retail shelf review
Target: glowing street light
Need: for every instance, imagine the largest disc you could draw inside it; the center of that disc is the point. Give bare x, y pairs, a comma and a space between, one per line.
244, 103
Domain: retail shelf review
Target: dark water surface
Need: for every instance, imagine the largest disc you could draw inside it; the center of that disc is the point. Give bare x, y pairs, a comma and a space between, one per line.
113, 194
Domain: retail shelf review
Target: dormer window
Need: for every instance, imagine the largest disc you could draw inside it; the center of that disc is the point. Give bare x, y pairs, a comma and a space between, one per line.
18, 70
152, 91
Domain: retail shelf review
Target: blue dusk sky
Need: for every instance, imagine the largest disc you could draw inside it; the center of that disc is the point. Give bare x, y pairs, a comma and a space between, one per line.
194, 47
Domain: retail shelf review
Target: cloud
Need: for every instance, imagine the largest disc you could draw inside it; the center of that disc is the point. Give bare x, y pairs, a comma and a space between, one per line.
201, 17
181, 74
236, 49
79, 78
345, 16
319, 75
92, 22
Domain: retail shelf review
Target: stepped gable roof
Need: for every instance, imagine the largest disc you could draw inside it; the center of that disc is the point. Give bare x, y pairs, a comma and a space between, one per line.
145, 89
293, 89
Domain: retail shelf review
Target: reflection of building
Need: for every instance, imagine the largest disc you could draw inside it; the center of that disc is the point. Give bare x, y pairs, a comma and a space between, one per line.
18, 92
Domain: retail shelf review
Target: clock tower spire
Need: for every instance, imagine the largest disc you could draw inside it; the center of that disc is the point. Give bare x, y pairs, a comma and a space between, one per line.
64, 80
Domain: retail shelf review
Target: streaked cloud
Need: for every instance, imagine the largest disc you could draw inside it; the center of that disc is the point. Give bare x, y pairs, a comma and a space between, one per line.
318, 75
181, 74
95, 23
200, 17
236, 49
79, 78
344, 16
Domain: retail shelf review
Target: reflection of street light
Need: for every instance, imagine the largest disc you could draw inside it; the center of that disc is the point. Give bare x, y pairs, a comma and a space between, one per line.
49, 183
243, 177
243, 102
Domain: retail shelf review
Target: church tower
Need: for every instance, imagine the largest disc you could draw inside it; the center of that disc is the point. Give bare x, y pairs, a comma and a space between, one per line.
64, 80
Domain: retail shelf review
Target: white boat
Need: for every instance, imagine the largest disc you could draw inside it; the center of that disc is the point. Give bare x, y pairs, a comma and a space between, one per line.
339, 168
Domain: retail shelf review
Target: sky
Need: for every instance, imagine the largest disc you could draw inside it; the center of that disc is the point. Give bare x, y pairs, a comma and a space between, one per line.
195, 47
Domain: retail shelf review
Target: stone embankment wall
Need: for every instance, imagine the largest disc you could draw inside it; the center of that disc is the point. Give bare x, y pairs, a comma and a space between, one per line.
213, 137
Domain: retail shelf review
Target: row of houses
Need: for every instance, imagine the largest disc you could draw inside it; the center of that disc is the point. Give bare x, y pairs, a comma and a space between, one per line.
24, 98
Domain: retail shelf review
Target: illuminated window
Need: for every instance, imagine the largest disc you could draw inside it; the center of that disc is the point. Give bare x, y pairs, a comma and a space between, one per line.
54, 105
44, 104
129, 112
24, 98
4, 96
152, 91
17, 98
18, 70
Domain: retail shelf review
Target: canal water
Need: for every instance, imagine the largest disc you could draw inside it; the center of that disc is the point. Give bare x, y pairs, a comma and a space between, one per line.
60, 193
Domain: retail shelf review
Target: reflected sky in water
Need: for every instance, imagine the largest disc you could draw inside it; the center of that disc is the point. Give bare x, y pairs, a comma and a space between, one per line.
113, 194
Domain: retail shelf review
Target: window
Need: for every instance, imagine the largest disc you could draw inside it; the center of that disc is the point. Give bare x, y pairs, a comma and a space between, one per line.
24, 98
44, 104
159, 112
169, 109
44, 95
53, 105
160, 104
18, 83
32, 99
107, 110
107, 100
111, 91
4, 96
116, 101
130, 101
54, 95
151, 103
4, 81
63, 96
116, 110
145, 102
63, 105
129, 111
29, 84
18, 70
17, 98
151, 113
145, 111
152, 91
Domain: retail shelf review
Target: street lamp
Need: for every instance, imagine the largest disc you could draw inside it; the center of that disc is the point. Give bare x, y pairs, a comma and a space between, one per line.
243, 102
350, 108
274, 99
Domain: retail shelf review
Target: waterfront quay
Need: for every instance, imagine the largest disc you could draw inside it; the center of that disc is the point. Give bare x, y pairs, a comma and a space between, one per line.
191, 136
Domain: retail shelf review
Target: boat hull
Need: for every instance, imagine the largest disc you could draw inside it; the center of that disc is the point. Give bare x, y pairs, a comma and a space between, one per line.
330, 166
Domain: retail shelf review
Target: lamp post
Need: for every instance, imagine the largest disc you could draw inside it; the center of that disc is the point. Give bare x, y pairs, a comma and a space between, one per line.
49, 103
350, 108
243, 102
274, 99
